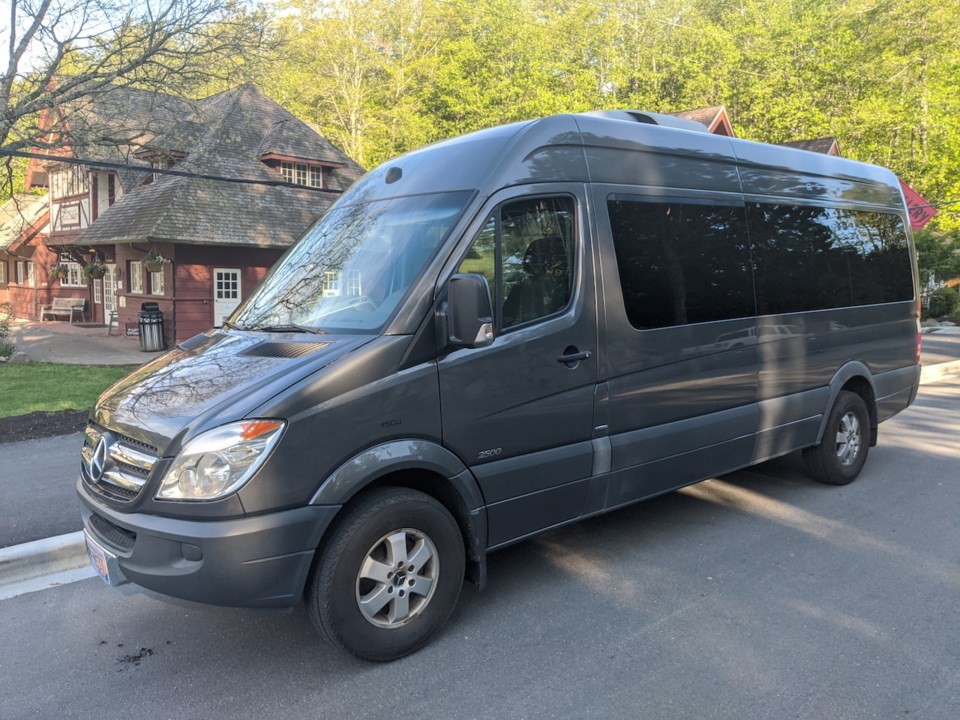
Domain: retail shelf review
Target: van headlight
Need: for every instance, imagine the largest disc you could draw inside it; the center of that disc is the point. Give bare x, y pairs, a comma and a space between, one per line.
219, 461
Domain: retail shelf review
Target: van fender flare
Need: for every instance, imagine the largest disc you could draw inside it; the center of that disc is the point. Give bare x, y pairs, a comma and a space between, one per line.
853, 369
379, 460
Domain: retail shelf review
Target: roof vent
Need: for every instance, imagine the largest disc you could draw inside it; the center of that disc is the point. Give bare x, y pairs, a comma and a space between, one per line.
649, 118
287, 350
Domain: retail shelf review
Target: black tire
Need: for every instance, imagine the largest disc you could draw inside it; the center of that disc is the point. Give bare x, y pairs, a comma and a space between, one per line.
380, 528
840, 456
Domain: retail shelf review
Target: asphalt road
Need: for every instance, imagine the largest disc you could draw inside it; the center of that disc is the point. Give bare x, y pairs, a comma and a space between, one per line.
939, 348
36, 485
757, 595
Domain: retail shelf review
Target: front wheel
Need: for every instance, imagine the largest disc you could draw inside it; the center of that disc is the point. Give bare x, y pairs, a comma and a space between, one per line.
389, 576
840, 456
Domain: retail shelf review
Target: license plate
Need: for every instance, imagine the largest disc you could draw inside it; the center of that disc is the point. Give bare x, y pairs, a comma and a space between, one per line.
98, 558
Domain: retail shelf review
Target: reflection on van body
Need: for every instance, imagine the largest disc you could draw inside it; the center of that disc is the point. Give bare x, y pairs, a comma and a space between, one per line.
496, 335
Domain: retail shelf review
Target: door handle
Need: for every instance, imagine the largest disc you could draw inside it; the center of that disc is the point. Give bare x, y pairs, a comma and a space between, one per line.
572, 356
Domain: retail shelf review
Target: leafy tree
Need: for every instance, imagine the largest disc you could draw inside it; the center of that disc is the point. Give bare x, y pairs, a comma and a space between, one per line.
938, 257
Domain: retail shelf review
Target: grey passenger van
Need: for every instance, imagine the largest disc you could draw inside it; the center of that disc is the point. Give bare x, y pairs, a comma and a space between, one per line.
497, 335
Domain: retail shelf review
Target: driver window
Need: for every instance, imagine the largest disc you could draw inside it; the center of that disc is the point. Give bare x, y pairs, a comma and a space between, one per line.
526, 252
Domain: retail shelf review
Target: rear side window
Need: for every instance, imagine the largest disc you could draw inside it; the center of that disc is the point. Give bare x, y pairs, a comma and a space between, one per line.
681, 262
813, 258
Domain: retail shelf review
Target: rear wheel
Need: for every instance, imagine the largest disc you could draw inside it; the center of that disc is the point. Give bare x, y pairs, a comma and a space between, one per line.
389, 576
840, 456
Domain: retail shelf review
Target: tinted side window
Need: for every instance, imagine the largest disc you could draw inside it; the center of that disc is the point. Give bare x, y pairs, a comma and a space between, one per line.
681, 262
810, 258
526, 252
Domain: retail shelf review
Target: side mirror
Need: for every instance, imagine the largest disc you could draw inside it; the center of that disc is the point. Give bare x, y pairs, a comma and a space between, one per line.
468, 312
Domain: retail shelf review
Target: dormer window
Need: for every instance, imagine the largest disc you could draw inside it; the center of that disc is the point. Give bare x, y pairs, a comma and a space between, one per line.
302, 173
158, 160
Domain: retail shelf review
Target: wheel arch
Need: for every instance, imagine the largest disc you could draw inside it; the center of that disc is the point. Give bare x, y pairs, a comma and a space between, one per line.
424, 466
854, 377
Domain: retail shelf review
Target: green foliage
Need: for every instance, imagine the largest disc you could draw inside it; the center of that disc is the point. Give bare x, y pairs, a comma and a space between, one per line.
937, 257
383, 76
6, 344
943, 302
52, 387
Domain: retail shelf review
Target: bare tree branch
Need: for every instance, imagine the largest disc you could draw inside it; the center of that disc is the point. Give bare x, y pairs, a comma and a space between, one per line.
66, 54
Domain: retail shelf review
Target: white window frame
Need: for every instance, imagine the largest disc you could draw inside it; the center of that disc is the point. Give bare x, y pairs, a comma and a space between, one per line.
288, 170
354, 286
98, 292
74, 276
331, 283
316, 176
156, 283
3, 272
136, 277
26, 273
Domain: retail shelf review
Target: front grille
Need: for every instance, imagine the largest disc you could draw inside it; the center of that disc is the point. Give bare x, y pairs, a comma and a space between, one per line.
115, 466
114, 535
127, 440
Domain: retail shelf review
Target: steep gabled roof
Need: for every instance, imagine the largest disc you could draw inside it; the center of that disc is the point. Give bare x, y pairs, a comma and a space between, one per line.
20, 215
227, 133
826, 145
715, 119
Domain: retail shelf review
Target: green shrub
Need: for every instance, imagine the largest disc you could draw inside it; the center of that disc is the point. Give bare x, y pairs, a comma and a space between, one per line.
6, 344
943, 302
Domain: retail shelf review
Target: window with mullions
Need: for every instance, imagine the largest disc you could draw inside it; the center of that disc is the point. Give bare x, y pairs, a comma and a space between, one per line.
136, 277
681, 262
815, 258
526, 253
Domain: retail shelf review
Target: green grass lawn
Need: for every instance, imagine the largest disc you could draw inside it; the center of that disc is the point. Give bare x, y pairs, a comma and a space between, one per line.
50, 387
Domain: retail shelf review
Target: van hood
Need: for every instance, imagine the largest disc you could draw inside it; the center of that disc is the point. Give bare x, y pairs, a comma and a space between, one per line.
212, 379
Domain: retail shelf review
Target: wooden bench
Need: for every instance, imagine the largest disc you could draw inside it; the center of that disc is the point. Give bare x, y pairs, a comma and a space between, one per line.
64, 307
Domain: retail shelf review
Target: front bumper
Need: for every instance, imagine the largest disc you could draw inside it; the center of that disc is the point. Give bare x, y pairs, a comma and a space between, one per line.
260, 561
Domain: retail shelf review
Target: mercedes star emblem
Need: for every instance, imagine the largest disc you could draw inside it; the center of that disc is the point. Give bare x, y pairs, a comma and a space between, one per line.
99, 460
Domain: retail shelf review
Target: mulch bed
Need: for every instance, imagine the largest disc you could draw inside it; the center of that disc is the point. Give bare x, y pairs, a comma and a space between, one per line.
41, 424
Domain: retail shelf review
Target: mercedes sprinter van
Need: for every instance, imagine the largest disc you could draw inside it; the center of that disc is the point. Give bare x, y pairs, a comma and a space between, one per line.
497, 335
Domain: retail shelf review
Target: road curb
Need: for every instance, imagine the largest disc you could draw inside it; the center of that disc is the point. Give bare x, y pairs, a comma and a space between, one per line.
29, 561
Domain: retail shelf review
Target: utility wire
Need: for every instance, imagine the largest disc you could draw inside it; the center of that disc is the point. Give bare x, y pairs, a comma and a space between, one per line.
163, 171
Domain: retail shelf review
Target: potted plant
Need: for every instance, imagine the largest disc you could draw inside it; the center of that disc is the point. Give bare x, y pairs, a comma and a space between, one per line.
57, 272
154, 261
95, 270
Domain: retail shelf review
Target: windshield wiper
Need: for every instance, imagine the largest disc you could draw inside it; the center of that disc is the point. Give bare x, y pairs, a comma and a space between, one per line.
228, 324
288, 327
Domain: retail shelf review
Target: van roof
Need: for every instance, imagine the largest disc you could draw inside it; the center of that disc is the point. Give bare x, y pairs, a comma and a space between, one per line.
635, 148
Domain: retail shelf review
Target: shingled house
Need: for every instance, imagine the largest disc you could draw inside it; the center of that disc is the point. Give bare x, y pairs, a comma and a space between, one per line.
23, 221
250, 178
715, 119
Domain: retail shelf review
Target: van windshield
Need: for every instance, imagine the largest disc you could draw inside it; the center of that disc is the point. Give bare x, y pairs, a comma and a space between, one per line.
349, 272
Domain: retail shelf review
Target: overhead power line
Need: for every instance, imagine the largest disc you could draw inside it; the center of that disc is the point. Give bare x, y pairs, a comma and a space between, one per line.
163, 171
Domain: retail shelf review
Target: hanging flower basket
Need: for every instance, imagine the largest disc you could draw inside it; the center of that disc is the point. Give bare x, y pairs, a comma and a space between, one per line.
154, 261
58, 271
95, 271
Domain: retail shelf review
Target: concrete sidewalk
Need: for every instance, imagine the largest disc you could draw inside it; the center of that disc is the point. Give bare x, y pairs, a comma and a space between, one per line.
60, 342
